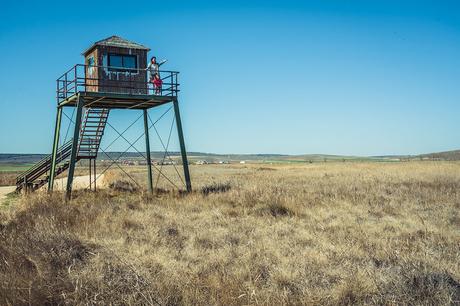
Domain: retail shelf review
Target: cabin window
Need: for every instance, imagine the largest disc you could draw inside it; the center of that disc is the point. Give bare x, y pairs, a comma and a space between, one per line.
119, 61
129, 62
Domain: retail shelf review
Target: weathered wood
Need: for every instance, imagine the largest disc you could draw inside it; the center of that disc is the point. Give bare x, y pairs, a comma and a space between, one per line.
101, 79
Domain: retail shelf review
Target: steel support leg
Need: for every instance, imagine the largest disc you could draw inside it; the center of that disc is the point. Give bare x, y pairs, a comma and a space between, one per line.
147, 149
57, 130
183, 152
90, 173
73, 156
95, 177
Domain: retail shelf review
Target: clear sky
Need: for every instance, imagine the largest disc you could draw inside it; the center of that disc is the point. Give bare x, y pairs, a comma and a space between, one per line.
334, 77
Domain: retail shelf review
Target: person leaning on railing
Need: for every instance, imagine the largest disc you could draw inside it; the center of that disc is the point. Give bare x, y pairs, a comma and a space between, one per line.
154, 67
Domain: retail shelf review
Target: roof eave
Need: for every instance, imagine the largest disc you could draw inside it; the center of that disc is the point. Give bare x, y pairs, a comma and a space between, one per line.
94, 46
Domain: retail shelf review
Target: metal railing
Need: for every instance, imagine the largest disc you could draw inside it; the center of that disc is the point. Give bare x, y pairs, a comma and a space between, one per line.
92, 78
43, 165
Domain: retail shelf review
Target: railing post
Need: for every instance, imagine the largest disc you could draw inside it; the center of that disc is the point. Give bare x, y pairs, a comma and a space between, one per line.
147, 83
130, 82
26, 187
170, 82
85, 70
75, 79
65, 86
177, 75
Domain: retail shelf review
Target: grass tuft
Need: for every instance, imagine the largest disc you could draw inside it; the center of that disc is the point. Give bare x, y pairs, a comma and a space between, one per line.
123, 186
215, 188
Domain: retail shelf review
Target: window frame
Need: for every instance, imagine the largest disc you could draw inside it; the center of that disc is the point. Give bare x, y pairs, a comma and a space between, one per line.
123, 69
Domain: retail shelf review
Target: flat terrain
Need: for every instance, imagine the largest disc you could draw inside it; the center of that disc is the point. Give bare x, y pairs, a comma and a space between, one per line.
79, 182
4, 191
322, 233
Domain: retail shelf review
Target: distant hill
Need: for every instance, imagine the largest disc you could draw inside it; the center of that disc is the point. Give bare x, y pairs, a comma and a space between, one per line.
448, 155
20, 159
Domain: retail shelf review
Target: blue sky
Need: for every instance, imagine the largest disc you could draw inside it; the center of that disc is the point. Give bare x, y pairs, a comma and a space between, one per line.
335, 77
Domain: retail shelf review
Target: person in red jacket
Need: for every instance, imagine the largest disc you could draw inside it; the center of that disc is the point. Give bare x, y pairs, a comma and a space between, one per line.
157, 84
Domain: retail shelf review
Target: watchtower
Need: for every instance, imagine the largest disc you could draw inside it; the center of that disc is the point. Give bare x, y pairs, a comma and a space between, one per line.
114, 76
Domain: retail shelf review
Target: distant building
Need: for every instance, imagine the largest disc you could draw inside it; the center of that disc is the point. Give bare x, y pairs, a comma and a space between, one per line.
166, 162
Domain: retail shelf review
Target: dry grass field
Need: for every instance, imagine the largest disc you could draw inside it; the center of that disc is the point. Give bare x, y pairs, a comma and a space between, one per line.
325, 234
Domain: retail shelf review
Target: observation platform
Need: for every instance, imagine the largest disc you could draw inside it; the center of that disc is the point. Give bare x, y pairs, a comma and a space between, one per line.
114, 88
116, 100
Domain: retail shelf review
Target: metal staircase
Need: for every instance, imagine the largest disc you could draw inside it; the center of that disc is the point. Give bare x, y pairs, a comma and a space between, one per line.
32, 178
91, 132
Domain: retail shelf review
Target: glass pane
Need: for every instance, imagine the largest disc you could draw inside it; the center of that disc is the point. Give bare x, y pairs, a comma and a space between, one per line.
129, 61
115, 61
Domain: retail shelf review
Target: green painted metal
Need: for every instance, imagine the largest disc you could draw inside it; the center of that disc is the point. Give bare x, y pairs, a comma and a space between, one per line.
57, 130
73, 156
147, 149
183, 152
118, 100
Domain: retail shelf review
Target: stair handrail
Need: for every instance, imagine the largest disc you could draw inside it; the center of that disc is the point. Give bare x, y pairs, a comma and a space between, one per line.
43, 162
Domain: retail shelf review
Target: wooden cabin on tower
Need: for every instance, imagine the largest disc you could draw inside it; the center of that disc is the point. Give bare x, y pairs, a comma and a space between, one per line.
114, 63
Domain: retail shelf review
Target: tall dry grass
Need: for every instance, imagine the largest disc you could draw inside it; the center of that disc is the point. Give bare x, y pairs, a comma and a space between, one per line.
349, 233
8, 178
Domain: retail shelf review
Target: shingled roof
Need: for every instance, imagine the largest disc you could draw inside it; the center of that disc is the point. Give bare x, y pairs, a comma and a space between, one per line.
116, 41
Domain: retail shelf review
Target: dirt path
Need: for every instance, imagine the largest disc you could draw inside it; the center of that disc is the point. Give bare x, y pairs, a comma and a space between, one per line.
79, 182
4, 190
